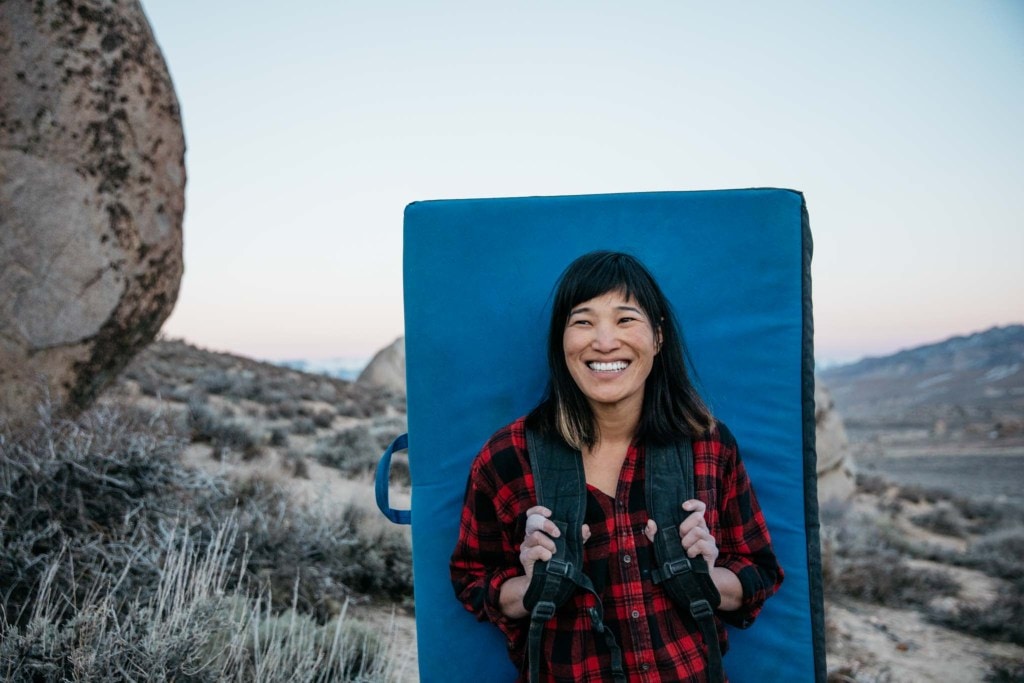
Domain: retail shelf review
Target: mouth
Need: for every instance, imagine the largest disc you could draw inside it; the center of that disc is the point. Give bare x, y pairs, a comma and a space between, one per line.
609, 366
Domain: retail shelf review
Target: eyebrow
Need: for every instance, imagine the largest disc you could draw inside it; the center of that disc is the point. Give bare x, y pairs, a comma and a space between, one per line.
587, 309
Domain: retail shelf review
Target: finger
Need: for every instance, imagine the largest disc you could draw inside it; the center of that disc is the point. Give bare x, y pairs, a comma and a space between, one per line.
585, 531
695, 505
528, 557
694, 536
538, 538
538, 510
651, 530
538, 522
696, 517
706, 549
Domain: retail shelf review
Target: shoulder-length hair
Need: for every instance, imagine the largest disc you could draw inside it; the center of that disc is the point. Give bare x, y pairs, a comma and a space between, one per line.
672, 407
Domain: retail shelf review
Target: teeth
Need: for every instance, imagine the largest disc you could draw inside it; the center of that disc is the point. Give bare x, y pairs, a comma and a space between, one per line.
608, 367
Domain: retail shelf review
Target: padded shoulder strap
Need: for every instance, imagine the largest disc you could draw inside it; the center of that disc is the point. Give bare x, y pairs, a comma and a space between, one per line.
561, 486
668, 483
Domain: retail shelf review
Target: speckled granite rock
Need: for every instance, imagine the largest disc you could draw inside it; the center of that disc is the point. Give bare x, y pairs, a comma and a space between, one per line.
92, 181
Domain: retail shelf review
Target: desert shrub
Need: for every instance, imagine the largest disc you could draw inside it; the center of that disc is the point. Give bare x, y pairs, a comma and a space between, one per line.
922, 494
943, 519
303, 425
283, 409
380, 562
295, 464
1001, 620
885, 579
353, 451
1005, 670
989, 514
225, 435
872, 484
998, 553
279, 436
385, 429
319, 556
93, 492
323, 418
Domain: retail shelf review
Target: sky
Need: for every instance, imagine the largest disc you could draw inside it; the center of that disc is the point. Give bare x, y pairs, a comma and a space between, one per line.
311, 125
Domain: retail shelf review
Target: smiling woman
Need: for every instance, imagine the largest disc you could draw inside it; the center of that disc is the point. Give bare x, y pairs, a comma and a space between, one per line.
619, 414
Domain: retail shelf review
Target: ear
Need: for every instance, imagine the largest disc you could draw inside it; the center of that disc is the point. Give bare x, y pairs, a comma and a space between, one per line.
659, 339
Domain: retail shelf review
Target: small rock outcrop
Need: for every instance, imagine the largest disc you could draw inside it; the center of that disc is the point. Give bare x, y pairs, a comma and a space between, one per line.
92, 181
836, 481
386, 369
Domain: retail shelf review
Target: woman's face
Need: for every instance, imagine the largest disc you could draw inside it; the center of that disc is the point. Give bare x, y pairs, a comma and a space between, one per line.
610, 345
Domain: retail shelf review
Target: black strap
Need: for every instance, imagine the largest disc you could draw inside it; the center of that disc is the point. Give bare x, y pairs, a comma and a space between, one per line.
561, 486
669, 482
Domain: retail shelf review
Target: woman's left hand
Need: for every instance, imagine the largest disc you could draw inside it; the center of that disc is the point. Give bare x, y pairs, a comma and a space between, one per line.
693, 533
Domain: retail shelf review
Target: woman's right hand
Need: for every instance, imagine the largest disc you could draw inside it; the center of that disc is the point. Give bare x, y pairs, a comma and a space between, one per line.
537, 546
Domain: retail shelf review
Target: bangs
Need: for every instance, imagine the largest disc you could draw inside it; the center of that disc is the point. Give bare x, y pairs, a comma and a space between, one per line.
607, 272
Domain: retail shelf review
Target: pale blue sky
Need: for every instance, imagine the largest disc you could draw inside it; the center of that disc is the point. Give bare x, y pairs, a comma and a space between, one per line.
310, 126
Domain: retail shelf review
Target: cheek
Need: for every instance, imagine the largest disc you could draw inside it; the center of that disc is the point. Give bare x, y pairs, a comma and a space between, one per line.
571, 343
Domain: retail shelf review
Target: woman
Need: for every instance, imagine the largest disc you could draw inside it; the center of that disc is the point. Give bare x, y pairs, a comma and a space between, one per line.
618, 386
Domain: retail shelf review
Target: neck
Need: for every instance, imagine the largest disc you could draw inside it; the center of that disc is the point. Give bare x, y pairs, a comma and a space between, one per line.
617, 423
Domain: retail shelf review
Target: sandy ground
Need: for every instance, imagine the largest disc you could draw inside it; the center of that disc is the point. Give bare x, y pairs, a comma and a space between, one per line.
883, 644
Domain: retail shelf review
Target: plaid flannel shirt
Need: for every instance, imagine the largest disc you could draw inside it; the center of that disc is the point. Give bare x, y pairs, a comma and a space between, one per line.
659, 641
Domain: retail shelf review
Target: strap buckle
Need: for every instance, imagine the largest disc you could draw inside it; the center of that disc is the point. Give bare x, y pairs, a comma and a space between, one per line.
677, 567
559, 567
701, 609
543, 610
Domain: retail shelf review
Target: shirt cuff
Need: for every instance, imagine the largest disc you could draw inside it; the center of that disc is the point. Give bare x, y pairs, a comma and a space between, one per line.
754, 593
511, 628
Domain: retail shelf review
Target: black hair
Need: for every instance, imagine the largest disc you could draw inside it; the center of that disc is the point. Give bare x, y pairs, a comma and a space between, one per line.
672, 407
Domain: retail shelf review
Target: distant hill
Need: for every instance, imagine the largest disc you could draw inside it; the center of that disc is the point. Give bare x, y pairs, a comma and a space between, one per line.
972, 383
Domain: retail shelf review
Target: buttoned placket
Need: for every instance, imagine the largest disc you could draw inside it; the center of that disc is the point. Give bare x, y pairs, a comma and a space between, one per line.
639, 628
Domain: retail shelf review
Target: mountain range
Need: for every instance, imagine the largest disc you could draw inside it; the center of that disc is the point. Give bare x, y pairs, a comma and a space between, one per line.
972, 383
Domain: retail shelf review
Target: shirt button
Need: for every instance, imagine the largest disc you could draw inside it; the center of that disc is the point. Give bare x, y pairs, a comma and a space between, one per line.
627, 559
635, 614
645, 666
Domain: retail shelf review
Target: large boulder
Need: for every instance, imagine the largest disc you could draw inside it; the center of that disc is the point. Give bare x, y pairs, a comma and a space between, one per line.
836, 479
92, 182
386, 369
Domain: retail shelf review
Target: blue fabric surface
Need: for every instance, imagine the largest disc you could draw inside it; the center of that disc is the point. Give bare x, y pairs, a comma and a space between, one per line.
479, 275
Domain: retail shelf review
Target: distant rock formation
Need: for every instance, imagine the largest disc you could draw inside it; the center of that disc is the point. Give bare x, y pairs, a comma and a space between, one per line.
836, 482
92, 181
387, 368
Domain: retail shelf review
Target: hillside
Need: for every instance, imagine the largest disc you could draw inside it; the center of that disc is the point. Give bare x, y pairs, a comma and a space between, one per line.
967, 389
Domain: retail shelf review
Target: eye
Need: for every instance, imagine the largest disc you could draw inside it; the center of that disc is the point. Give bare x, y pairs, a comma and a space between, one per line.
627, 319
579, 322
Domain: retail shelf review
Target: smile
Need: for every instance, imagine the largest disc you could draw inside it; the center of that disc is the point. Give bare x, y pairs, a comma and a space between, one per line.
613, 366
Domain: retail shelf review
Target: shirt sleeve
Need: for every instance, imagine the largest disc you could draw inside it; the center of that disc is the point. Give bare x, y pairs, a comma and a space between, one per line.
485, 555
744, 545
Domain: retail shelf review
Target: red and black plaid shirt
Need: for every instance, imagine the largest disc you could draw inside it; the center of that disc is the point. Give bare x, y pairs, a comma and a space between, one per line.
659, 641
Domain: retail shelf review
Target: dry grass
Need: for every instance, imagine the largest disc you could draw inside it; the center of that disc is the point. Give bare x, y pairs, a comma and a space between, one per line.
117, 564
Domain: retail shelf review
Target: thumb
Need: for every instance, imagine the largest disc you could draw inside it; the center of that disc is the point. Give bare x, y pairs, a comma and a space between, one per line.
651, 530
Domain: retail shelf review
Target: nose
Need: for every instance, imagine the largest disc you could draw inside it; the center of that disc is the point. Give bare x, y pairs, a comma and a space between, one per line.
605, 338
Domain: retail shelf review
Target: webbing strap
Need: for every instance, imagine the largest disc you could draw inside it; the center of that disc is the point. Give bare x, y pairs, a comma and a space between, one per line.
669, 482
561, 486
